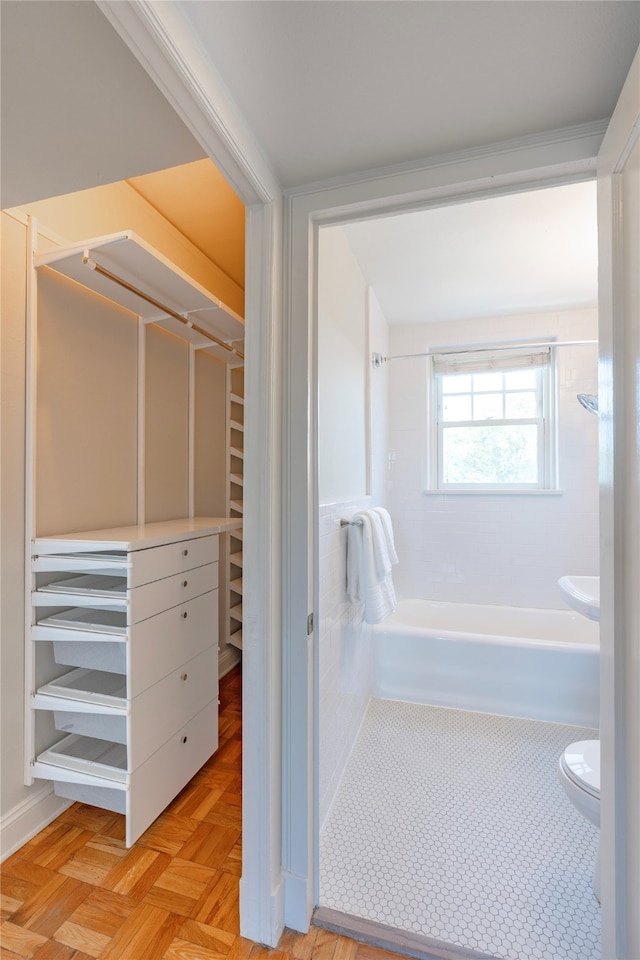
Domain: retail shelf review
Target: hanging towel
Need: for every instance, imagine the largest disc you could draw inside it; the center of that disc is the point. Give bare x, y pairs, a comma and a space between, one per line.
364, 583
355, 590
379, 541
387, 526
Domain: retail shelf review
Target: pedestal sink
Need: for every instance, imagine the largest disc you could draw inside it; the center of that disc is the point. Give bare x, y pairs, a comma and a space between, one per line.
583, 594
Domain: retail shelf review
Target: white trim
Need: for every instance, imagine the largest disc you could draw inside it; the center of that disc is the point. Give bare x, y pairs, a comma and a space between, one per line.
31, 400
141, 478
227, 660
562, 157
159, 37
191, 443
29, 817
261, 906
576, 146
619, 536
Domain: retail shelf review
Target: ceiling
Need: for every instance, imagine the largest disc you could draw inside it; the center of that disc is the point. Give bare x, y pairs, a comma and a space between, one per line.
327, 87
331, 87
77, 110
199, 202
521, 253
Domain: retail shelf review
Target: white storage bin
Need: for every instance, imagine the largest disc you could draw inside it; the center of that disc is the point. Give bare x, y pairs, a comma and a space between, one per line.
114, 800
97, 725
94, 654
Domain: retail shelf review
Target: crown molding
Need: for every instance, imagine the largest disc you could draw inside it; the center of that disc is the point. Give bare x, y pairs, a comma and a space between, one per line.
161, 39
568, 144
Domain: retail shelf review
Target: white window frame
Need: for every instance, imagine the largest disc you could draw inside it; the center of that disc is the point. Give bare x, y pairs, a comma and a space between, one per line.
547, 434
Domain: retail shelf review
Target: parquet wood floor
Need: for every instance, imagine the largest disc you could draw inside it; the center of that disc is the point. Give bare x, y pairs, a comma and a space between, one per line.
75, 892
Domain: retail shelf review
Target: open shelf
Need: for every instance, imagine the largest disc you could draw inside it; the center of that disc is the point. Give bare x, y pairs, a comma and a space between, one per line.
139, 265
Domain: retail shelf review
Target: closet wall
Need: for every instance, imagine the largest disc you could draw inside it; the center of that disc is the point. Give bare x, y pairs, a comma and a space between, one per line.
87, 416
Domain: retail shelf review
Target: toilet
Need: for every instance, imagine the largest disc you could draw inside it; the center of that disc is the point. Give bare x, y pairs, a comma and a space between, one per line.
579, 774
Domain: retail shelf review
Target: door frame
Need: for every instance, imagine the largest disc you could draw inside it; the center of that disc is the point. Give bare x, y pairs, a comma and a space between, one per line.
522, 165
160, 38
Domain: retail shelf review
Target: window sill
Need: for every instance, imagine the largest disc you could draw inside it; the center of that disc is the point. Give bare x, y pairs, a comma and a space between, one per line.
492, 493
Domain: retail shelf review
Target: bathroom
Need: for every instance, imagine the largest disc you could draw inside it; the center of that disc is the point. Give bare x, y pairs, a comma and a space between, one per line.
525, 273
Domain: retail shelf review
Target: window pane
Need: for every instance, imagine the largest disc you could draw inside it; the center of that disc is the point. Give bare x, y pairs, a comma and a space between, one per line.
487, 381
487, 406
490, 454
520, 405
456, 408
520, 379
456, 383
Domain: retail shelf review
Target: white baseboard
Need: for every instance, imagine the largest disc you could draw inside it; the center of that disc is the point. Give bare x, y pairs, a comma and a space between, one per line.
28, 818
298, 905
267, 930
227, 659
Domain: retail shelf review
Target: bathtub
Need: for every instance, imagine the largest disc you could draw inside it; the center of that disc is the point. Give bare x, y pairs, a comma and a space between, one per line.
516, 661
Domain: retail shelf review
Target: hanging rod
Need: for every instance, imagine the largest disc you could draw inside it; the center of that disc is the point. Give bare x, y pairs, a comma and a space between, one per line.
377, 359
161, 306
350, 523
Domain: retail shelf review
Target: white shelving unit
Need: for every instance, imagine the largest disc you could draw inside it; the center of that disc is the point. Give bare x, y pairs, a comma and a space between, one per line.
121, 656
134, 613
235, 468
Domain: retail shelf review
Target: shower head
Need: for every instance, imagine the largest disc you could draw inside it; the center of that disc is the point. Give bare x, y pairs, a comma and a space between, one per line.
589, 402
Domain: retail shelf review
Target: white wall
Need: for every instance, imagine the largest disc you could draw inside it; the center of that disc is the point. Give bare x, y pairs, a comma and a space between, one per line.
344, 639
342, 347
344, 644
378, 403
491, 548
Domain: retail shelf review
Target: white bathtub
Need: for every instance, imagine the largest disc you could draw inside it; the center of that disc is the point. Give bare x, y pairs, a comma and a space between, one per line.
516, 661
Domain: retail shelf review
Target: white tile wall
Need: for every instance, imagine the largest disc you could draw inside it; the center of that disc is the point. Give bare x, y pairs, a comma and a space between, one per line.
490, 548
345, 644
344, 640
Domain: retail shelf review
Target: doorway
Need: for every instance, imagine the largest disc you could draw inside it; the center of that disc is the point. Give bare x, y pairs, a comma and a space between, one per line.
372, 844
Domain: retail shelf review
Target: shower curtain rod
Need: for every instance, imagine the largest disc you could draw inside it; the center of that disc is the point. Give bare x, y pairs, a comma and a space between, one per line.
377, 359
161, 306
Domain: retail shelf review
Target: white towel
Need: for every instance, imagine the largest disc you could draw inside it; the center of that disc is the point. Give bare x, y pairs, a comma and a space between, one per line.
354, 564
364, 582
387, 526
379, 539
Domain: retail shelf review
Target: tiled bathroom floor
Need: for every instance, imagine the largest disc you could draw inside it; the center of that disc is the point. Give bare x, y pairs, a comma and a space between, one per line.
453, 825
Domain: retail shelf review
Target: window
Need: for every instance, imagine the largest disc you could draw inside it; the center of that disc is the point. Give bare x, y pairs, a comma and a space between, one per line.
495, 421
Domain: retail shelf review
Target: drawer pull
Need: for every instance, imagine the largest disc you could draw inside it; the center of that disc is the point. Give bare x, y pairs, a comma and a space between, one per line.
184, 676
185, 553
185, 583
185, 615
184, 739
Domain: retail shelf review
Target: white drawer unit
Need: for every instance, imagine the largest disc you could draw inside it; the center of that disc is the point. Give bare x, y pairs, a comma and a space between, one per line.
123, 686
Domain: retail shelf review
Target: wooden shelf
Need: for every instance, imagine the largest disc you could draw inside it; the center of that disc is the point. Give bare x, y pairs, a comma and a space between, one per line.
236, 505
236, 452
235, 398
237, 479
236, 585
235, 639
236, 612
236, 559
236, 426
